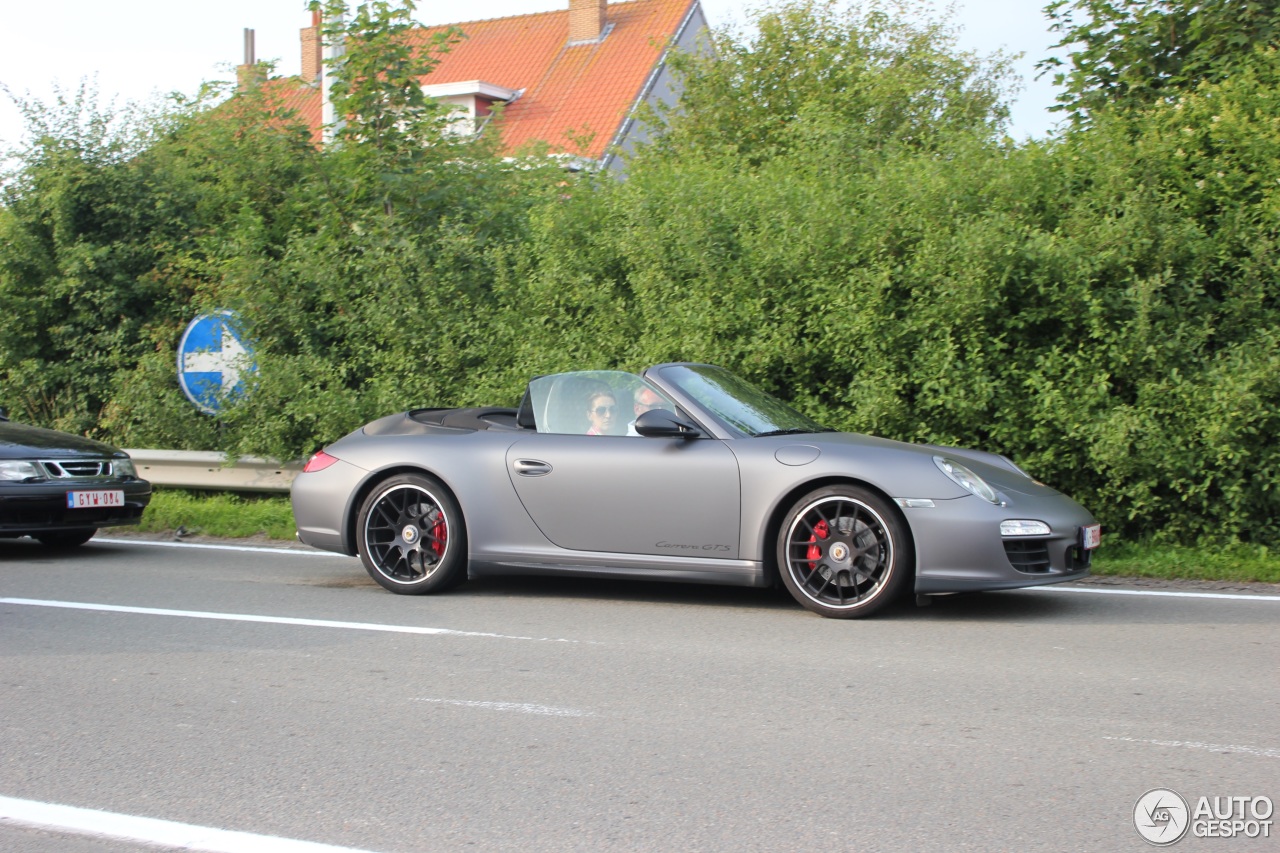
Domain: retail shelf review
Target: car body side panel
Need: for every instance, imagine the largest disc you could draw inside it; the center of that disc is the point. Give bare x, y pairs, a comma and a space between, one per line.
470, 464
957, 541
630, 495
502, 537
888, 466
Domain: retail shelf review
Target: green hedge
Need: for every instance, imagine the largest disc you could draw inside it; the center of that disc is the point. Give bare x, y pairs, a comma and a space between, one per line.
1100, 306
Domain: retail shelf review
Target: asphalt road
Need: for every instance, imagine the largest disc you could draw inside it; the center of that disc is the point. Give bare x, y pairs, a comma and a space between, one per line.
283, 695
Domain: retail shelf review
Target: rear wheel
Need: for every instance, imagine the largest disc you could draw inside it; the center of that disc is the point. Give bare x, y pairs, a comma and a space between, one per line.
411, 537
66, 538
844, 552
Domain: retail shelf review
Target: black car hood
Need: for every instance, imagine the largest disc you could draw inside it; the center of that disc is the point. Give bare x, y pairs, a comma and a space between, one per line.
20, 441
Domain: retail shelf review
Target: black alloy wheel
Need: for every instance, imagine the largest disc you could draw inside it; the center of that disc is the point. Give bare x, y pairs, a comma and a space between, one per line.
411, 537
844, 552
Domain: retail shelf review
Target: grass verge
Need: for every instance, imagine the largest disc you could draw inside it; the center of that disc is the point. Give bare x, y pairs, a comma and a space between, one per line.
237, 516
224, 514
1171, 562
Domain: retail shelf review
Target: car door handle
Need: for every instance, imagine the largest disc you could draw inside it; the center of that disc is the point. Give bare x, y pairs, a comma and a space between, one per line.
532, 468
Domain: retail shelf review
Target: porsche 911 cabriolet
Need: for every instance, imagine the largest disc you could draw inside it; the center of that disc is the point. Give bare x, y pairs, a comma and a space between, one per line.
684, 472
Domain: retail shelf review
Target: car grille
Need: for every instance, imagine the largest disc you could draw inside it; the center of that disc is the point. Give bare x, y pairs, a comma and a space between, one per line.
1032, 556
1028, 555
76, 469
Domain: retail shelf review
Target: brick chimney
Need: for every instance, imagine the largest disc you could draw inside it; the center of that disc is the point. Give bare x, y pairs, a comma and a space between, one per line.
311, 48
586, 20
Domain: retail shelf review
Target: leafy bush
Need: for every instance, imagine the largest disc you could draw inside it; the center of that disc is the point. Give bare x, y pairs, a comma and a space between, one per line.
1099, 306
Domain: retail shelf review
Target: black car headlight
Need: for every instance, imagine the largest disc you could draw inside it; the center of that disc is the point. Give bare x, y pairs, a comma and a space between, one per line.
966, 479
122, 466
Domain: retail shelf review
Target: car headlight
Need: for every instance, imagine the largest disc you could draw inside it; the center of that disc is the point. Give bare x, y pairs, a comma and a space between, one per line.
17, 469
123, 467
966, 479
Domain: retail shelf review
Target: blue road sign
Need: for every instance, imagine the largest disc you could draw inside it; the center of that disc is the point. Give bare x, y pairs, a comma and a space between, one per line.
213, 361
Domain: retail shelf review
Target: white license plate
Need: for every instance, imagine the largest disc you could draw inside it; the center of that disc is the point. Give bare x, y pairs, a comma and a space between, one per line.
1091, 536
95, 499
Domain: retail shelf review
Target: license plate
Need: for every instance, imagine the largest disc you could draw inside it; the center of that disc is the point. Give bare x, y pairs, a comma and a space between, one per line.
1091, 536
95, 499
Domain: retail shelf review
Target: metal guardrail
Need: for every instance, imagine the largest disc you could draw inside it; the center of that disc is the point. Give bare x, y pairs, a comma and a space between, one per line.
198, 469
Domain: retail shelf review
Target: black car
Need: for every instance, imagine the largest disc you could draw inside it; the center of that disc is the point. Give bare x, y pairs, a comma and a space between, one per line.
60, 488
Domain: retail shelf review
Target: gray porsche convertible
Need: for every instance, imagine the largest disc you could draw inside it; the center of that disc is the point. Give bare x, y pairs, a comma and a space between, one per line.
682, 473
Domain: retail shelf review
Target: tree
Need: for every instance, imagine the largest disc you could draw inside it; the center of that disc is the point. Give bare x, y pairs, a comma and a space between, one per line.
1131, 53
82, 220
390, 132
873, 73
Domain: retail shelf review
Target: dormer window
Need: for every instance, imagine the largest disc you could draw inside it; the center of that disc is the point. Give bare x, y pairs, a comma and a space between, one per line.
472, 102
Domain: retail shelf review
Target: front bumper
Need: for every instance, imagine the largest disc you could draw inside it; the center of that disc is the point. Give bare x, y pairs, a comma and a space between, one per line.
959, 547
31, 508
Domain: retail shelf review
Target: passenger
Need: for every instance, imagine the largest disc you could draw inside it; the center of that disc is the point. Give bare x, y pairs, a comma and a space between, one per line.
601, 407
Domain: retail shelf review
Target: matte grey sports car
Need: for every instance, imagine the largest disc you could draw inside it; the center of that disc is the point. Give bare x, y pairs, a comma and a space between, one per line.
686, 473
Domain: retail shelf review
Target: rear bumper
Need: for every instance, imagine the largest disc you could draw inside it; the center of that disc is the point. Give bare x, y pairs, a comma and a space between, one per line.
321, 501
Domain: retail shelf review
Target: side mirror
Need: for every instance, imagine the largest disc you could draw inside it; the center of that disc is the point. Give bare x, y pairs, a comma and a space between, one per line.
4, 416
659, 423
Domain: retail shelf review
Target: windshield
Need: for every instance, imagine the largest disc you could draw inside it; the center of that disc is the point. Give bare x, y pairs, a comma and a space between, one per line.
739, 403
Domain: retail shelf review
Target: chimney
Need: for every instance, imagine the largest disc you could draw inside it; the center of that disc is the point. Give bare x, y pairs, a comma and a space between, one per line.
248, 75
333, 50
311, 48
586, 20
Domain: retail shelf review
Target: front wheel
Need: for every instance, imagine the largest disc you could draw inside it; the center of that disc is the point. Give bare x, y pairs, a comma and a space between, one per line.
844, 552
411, 536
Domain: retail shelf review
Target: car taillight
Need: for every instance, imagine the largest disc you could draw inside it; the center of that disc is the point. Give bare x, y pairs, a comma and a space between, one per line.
318, 462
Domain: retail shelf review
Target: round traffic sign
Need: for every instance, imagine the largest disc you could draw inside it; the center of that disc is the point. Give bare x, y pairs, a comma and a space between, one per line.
213, 361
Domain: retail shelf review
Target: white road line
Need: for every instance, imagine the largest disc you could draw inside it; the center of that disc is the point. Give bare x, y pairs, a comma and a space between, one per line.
1150, 592
1261, 752
251, 548
517, 707
146, 830
272, 620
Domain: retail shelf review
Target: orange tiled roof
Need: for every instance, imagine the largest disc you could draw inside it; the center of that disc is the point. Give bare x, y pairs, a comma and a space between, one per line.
570, 93
587, 89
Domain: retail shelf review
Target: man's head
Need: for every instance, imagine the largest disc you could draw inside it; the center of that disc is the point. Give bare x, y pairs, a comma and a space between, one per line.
648, 399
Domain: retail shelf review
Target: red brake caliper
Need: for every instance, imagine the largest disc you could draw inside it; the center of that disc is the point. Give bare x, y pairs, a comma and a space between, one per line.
821, 531
440, 535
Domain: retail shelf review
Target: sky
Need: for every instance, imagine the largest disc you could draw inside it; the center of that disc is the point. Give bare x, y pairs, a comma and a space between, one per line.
139, 50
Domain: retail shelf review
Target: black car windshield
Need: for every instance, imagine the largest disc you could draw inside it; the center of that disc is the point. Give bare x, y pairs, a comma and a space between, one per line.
739, 403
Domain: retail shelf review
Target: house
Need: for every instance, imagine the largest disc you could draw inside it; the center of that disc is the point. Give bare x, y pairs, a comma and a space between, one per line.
571, 79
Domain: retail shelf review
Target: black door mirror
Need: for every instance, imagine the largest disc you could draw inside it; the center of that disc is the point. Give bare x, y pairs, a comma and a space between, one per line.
659, 423
4, 416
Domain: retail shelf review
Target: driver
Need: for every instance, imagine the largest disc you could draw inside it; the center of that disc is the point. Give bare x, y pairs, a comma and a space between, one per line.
646, 400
